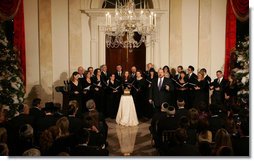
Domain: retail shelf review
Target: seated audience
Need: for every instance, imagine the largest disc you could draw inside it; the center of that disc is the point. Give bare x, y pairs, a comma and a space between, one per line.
75, 121
181, 111
225, 151
182, 148
204, 134
25, 140
156, 118
83, 148
36, 110
241, 143
63, 123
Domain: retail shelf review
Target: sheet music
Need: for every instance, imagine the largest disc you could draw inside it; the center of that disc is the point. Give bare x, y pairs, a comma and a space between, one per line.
148, 81
87, 88
192, 84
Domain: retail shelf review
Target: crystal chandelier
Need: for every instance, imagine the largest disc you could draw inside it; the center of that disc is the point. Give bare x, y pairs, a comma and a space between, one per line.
121, 27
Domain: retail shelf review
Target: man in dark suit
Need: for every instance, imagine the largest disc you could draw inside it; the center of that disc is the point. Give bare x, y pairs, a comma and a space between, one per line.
36, 110
161, 91
179, 69
133, 72
207, 88
119, 73
147, 72
104, 73
192, 80
218, 86
181, 111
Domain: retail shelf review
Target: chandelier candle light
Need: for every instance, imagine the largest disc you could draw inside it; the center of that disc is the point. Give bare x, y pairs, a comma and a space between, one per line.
120, 31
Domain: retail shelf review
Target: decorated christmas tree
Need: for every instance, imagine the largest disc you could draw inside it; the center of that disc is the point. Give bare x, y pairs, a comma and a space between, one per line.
241, 71
11, 79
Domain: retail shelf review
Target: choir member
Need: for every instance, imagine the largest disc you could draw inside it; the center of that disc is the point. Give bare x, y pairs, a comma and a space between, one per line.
218, 86
148, 67
113, 93
138, 93
133, 72
127, 80
231, 91
181, 86
104, 72
119, 73
173, 72
81, 72
87, 92
207, 87
75, 88
199, 92
151, 77
179, 69
166, 71
161, 91
98, 91
91, 71
192, 79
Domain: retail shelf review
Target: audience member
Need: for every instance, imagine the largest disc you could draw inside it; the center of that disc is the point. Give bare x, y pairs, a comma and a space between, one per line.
222, 138
32, 152
4, 150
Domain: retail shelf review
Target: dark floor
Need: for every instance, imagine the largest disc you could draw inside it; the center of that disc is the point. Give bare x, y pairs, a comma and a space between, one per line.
134, 141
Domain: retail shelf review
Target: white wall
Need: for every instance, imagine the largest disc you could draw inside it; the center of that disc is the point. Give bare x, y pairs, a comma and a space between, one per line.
32, 44
60, 45
218, 34
190, 16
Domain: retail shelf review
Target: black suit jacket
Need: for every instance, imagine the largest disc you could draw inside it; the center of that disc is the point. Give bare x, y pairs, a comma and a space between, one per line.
160, 96
222, 84
75, 124
192, 79
36, 113
104, 76
119, 78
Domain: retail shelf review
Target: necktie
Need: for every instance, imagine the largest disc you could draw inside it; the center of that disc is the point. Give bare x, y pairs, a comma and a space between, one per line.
160, 84
219, 81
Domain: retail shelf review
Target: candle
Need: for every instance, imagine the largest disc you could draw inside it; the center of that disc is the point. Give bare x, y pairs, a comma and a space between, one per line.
155, 20
109, 20
150, 17
106, 19
116, 7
